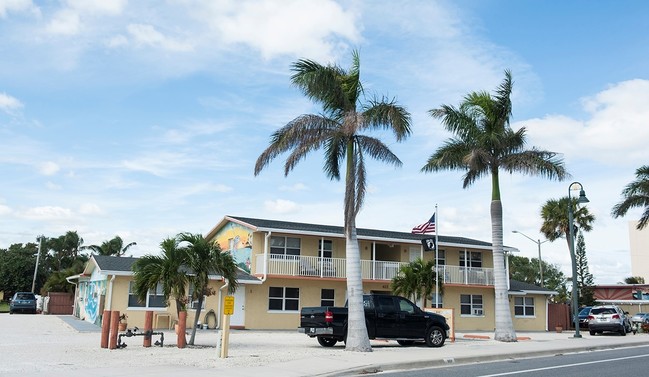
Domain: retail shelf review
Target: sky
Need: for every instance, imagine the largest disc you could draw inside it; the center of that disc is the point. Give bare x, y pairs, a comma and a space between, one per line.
144, 119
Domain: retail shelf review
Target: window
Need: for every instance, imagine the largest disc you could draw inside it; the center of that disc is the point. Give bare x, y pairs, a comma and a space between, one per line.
471, 305
193, 304
325, 248
283, 299
327, 297
155, 299
284, 247
386, 304
474, 259
405, 306
441, 257
524, 306
433, 300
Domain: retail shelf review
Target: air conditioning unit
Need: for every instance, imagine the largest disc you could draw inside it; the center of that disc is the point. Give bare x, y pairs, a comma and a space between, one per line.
477, 312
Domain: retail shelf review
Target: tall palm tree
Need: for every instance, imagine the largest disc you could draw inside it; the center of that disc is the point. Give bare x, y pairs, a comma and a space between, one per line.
166, 269
339, 132
636, 194
111, 247
205, 258
416, 280
484, 144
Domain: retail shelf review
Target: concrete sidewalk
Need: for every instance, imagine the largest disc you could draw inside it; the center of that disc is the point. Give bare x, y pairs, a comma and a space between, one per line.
468, 348
40, 345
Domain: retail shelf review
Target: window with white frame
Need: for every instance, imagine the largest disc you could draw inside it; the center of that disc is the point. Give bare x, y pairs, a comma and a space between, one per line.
471, 259
284, 247
154, 299
193, 304
471, 305
327, 297
433, 300
284, 299
325, 248
524, 306
441, 257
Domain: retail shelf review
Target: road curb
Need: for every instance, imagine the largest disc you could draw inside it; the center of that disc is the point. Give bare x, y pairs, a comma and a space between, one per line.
377, 368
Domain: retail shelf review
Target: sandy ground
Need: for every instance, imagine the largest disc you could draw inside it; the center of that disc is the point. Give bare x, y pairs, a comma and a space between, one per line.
38, 343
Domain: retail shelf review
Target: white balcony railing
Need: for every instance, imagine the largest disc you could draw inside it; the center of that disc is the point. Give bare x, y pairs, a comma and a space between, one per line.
297, 265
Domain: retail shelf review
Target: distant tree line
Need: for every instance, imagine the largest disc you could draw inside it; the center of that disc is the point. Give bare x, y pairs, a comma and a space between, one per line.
60, 257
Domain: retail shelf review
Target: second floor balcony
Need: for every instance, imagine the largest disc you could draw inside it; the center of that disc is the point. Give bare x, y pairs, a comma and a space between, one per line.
316, 267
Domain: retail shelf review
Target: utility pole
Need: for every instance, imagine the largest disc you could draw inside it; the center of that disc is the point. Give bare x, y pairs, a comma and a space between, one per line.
38, 256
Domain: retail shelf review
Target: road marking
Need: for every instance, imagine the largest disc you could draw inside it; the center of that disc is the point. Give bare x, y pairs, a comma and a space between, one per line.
562, 366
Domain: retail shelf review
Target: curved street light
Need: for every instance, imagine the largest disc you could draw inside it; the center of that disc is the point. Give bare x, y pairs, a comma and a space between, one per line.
538, 242
571, 244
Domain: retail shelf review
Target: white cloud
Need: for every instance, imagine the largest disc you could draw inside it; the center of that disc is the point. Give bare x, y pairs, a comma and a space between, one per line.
295, 187
9, 104
65, 22
157, 163
617, 123
52, 186
109, 7
281, 206
17, 6
147, 35
90, 209
46, 213
302, 28
4, 210
49, 168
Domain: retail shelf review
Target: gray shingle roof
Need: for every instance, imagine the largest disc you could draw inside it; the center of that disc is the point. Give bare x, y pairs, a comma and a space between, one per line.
515, 285
124, 264
289, 226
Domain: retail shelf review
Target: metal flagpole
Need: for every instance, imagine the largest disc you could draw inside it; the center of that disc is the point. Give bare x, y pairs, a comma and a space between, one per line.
436, 259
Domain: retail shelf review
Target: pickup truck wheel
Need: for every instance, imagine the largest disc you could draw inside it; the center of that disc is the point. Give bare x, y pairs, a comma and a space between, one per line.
435, 337
327, 342
406, 342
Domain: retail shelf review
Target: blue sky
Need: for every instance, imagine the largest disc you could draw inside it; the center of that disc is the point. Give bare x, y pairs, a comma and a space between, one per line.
144, 119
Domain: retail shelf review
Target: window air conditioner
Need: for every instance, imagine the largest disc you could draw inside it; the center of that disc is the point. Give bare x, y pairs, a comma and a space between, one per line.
477, 311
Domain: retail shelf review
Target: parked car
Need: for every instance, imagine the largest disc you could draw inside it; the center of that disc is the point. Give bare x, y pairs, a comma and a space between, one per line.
386, 317
639, 318
583, 316
23, 302
608, 318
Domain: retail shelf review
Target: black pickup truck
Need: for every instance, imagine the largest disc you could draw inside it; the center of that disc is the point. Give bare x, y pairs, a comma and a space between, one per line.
386, 317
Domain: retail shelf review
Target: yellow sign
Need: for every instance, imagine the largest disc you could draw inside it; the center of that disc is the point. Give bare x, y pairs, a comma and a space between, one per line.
228, 305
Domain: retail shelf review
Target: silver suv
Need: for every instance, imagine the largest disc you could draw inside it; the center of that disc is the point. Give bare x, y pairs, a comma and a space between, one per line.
608, 318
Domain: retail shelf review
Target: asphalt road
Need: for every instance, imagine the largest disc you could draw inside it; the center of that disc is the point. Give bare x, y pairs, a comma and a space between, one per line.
631, 361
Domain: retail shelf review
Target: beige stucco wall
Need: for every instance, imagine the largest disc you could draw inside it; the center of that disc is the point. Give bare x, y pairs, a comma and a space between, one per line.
136, 316
536, 323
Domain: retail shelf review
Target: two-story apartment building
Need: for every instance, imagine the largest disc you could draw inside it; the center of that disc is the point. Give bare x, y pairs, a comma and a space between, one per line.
288, 265
302, 264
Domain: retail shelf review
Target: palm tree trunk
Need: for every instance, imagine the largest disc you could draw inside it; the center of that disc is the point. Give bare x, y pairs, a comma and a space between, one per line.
504, 326
198, 314
357, 338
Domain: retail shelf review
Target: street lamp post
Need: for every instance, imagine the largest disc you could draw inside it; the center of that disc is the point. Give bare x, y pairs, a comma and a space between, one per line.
538, 242
571, 244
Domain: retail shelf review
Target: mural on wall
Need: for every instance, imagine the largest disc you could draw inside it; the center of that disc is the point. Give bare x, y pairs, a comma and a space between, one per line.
92, 300
238, 241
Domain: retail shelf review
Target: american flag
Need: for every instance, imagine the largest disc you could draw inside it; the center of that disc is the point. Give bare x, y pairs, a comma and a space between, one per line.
426, 227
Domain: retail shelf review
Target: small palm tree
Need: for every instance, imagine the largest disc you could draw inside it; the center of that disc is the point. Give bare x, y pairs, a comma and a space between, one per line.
484, 144
205, 258
339, 131
166, 269
417, 280
113, 247
555, 218
636, 194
